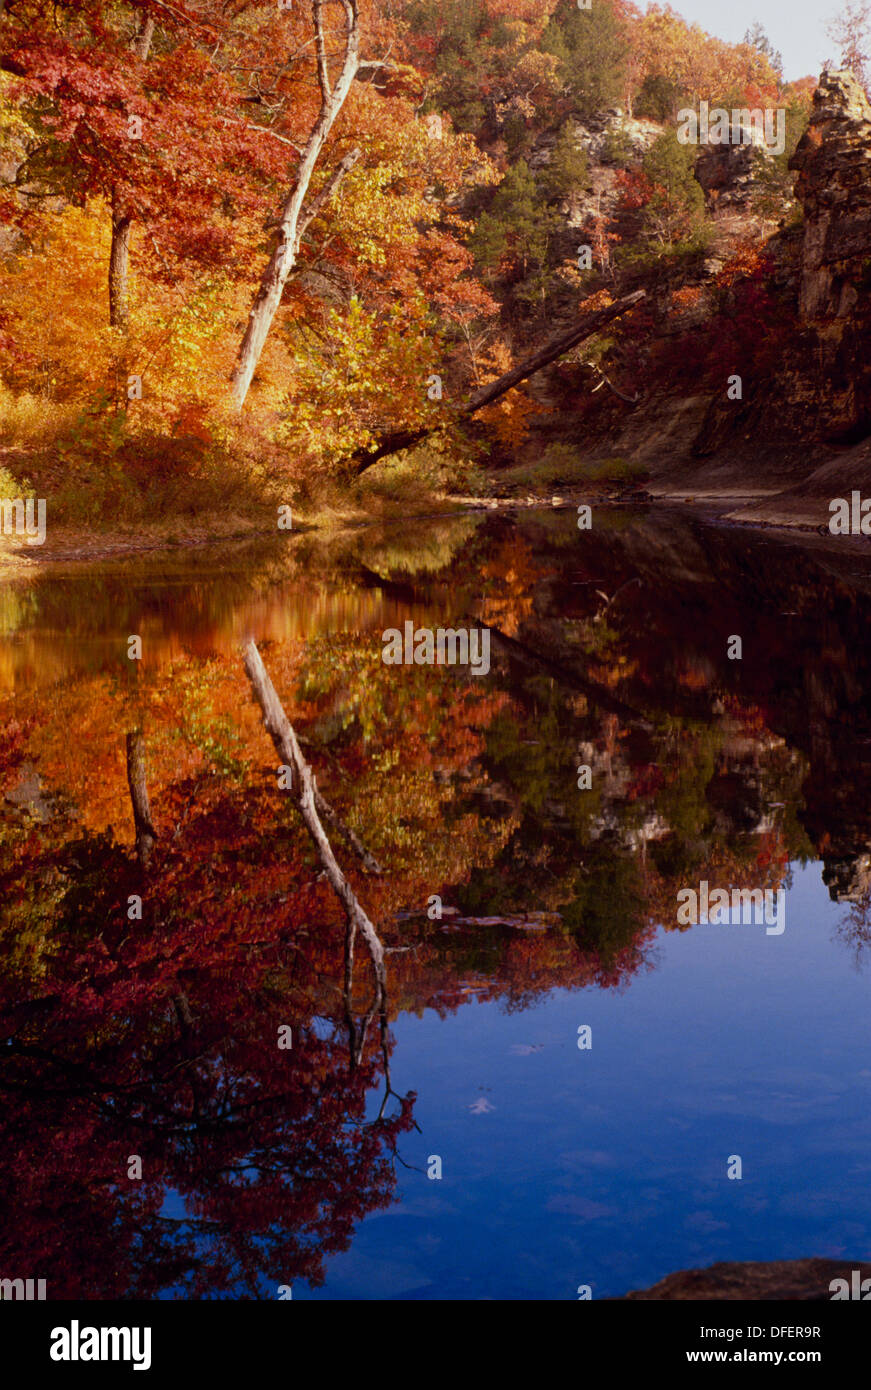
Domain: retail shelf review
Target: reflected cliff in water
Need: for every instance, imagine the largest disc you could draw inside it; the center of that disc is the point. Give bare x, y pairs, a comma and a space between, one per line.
198, 1098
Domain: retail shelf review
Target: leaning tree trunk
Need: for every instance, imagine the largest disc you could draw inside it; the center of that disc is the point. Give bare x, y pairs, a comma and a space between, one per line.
119, 256
294, 216
404, 439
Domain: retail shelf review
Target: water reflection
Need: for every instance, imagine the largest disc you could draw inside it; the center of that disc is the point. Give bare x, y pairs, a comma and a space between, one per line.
164, 915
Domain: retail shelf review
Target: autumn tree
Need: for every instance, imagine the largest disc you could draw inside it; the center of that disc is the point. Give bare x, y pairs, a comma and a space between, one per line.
850, 29
146, 136
119, 258
683, 64
164, 174
295, 214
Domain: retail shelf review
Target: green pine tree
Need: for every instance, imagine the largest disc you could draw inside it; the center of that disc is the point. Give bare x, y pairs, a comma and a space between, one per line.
568, 171
592, 54
675, 213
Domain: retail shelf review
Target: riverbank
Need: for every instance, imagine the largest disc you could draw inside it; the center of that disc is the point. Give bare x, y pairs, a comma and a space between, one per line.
99, 509
69, 545
72, 544
717, 487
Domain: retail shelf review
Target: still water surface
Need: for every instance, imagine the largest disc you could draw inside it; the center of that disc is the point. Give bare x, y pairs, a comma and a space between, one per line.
307, 1166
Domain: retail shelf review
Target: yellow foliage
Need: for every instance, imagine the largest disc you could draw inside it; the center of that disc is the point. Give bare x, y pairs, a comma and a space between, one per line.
509, 417
55, 296
367, 372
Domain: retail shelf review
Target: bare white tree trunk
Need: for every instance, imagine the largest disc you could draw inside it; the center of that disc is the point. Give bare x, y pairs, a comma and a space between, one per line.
309, 801
294, 216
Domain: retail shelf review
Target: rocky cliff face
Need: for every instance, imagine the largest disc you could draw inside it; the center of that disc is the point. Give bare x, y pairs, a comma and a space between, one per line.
806, 403
818, 393
827, 376
833, 163
730, 174
820, 390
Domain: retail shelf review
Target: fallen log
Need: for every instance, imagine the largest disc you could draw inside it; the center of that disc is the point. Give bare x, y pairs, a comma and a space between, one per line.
404, 439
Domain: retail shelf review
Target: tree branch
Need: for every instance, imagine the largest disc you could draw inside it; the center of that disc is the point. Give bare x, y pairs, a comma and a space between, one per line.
404, 439
321, 53
311, 210
306, 795
249, 125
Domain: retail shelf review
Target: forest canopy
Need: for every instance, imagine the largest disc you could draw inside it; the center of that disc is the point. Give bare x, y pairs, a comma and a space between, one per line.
238, 240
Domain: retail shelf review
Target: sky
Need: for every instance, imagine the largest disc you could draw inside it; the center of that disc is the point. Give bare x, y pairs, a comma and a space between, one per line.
795, 27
